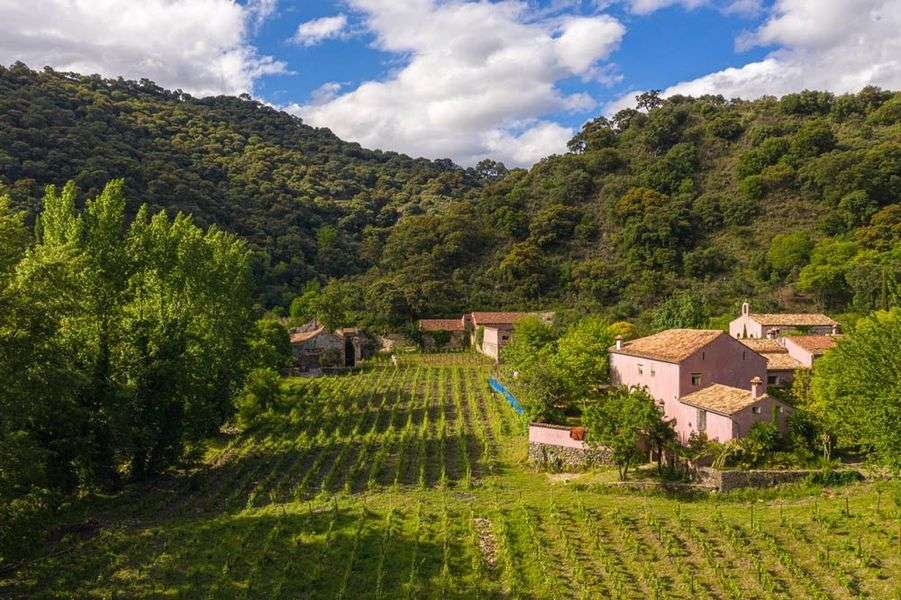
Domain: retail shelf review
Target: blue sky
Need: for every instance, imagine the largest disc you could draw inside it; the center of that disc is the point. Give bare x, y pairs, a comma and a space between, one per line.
511, 80
659, 49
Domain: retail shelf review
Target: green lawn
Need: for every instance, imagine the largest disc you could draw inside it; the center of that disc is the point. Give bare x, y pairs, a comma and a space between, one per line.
410, 482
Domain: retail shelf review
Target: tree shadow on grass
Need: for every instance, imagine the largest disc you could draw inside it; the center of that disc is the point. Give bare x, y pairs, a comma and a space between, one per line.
286, 552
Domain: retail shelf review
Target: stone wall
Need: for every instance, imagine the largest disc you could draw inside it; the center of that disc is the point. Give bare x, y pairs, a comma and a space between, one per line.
759, 478
553, 458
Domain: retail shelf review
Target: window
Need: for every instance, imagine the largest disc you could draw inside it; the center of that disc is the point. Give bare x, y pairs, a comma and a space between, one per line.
640, 369
755, 410
744, 355
695, 379
703, 356
702, 419
652, 371
772, 379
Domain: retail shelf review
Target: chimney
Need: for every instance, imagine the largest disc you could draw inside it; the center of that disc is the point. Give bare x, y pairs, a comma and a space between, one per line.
755, 385
619, 342
745, 309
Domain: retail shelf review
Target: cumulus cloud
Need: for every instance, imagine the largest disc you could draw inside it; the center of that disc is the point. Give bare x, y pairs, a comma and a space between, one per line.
315, 31
838, 46
200, 46
835, 46
477, 80
644, 7
260, 11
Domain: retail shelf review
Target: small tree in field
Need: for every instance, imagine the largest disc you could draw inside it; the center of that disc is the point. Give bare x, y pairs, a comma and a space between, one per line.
620, 421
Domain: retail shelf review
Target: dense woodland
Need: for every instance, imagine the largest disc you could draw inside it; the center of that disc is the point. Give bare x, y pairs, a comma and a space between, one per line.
791, 203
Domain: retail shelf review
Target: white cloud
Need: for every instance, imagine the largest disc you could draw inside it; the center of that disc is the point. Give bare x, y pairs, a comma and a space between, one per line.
477, 79
644, 7
537, 141
743, 7
584, 39
260, 11
318, 30
840, 46
199, 46
325, 93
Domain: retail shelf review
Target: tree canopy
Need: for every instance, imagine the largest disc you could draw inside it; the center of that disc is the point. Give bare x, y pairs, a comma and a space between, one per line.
858, 383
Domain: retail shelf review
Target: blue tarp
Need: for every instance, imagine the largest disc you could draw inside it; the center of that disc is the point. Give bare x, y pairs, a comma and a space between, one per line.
498, 387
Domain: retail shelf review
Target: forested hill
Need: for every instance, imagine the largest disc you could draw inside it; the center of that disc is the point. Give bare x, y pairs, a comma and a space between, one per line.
791, 202
252, 169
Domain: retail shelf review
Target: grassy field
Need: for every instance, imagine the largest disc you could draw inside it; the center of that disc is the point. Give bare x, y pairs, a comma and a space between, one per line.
410, 482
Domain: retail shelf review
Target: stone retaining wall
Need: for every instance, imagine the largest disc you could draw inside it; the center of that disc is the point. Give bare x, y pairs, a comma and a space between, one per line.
553, 458
759, 478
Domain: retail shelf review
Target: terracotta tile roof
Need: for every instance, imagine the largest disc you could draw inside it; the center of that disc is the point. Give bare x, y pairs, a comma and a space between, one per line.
672, 345
781, 361
441, 325
815, 344
302, 336
498, 318
789, 319
722, 399
763, 345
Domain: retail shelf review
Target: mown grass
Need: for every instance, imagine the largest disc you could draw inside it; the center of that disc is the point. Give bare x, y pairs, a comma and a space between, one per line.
371, 485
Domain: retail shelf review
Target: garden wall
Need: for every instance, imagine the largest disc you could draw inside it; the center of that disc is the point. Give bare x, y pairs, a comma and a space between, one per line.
759, 478
552, 448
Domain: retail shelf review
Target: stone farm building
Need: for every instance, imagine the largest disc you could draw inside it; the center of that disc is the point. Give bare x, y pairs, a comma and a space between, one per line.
314, 347
705, 381
488, 332
443, 333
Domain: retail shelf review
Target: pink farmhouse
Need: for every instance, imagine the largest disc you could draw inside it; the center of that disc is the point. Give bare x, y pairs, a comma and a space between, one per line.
701, 378
761, 325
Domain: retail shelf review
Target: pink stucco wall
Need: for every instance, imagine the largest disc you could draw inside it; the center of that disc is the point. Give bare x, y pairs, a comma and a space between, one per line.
724, 360
554, 435
494, 339
746, 418
744, 326
723, 428
803, 356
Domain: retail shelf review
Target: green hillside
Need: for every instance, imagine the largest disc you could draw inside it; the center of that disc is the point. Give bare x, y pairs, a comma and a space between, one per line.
791, 202
234, 162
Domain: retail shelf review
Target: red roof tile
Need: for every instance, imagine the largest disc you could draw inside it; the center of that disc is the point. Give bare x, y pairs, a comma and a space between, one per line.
672, 345
815, 344
441, 325
722, 399
302, 336
763, 345
793, 319
499, 318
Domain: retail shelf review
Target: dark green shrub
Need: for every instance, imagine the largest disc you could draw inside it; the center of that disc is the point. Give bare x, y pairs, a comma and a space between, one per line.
752, 187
